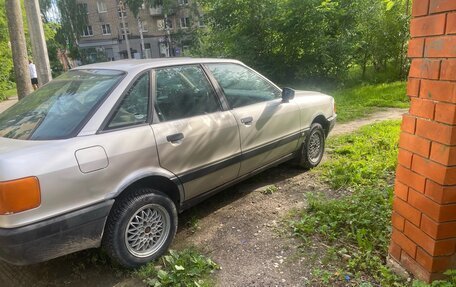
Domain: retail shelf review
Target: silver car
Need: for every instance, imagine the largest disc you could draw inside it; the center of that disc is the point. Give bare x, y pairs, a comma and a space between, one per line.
108, 154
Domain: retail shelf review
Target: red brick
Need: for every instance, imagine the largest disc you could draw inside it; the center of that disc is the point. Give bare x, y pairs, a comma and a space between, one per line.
425, 69
431, 246
431, 263
395, 251
451, 23
398, 221
447, 213
422, 108
410, 178
420, 8
416, 48
428, 26
411, 265
408, 124
407, 211
435, 131
439, 173
401, 190
440, 47
405, 158
442, 6
413, 87
440, 194
424, 204
438, 230
443, 154
415, 144
448, 70
445, 113
405, 243
438, 91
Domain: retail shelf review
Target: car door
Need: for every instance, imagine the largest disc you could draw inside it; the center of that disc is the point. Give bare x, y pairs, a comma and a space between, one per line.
269, 129
196, 139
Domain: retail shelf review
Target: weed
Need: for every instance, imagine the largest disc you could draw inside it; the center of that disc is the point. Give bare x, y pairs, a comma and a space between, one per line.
192, 224
451, 282
270, 189
357, 225
184, 268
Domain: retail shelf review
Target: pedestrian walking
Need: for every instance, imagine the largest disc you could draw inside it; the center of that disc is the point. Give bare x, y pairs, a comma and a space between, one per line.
33, 75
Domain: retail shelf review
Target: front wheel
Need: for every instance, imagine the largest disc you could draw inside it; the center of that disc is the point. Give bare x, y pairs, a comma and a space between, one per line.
313, 148
140, 228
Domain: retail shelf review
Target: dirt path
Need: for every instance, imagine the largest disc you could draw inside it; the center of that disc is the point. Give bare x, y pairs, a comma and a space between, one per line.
241, 228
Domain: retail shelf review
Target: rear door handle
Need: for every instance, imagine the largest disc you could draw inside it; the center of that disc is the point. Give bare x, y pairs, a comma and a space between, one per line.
175, 137
247, 120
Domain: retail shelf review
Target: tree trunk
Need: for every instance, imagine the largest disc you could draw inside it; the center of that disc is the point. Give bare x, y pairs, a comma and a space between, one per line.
19, 49
39, 47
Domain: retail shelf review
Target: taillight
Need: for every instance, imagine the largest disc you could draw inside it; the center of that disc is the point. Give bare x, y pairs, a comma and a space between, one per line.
19, 195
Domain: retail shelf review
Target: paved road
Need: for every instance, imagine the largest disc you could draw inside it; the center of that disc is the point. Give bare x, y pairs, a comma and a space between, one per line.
8, 103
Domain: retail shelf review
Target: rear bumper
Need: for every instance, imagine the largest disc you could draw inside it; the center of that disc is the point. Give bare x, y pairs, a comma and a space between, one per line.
68, 233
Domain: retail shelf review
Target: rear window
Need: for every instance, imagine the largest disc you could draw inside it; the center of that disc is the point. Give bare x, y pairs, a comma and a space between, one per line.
57, 110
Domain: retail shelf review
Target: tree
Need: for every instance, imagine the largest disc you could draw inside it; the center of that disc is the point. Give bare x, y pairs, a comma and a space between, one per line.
19, 53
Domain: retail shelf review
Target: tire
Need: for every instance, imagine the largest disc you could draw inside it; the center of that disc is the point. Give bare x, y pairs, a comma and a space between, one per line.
313, 148
134, 220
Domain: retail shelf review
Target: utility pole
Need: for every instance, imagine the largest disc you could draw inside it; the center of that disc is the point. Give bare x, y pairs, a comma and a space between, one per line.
168, 36
39, 47
124, 29
19, 49
140, 28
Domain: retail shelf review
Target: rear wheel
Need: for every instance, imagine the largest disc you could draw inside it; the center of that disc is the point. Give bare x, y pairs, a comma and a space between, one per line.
140, 228
313, 148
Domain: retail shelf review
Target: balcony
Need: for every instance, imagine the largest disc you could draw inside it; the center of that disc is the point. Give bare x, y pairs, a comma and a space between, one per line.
156, 11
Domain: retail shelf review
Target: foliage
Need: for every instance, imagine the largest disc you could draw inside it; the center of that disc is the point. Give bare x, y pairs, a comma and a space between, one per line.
184, 268
358, 224
451, 282
6, 62
316, 39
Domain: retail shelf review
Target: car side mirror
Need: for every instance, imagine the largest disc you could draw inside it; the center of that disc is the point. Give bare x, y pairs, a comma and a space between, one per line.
287, 95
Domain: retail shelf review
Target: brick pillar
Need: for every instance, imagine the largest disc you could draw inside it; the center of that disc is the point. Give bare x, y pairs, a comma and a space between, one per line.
424, 213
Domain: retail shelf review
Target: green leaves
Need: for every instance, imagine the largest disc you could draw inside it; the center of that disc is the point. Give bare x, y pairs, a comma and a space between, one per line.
180, 269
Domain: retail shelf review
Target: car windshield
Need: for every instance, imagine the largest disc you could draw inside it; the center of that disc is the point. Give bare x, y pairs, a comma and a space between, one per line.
57, 109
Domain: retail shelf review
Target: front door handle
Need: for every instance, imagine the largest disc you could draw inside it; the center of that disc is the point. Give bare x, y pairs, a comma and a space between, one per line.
175, 137
247, 120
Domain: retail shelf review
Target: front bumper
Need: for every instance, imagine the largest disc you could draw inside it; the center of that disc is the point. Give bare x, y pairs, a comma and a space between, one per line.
332, 123
68, 233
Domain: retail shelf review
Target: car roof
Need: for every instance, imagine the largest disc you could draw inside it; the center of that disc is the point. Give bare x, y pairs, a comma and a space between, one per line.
141, 64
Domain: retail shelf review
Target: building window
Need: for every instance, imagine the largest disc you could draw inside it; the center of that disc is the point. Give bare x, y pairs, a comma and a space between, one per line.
169, 23
185, 22
83, 8
144, 26
87, 31
183, 2
101, 5
126, 28
106, 28
161, 24
119, 12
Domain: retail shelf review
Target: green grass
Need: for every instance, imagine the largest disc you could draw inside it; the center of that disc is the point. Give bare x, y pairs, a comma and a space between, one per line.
185, 268
359, 101
357, 225
8, 93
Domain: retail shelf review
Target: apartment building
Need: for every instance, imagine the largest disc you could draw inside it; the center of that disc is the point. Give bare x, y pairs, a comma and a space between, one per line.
164, 30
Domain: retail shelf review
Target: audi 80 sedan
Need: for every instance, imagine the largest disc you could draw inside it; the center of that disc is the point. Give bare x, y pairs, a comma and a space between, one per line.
107, 154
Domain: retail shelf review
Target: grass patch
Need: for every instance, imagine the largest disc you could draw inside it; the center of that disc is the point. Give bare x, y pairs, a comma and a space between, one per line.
183, 268
357, 225
359, 101
7, 93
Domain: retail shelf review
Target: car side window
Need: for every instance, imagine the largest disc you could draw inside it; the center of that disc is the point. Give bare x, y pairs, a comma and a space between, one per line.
134, 108
183, 92
243, 86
